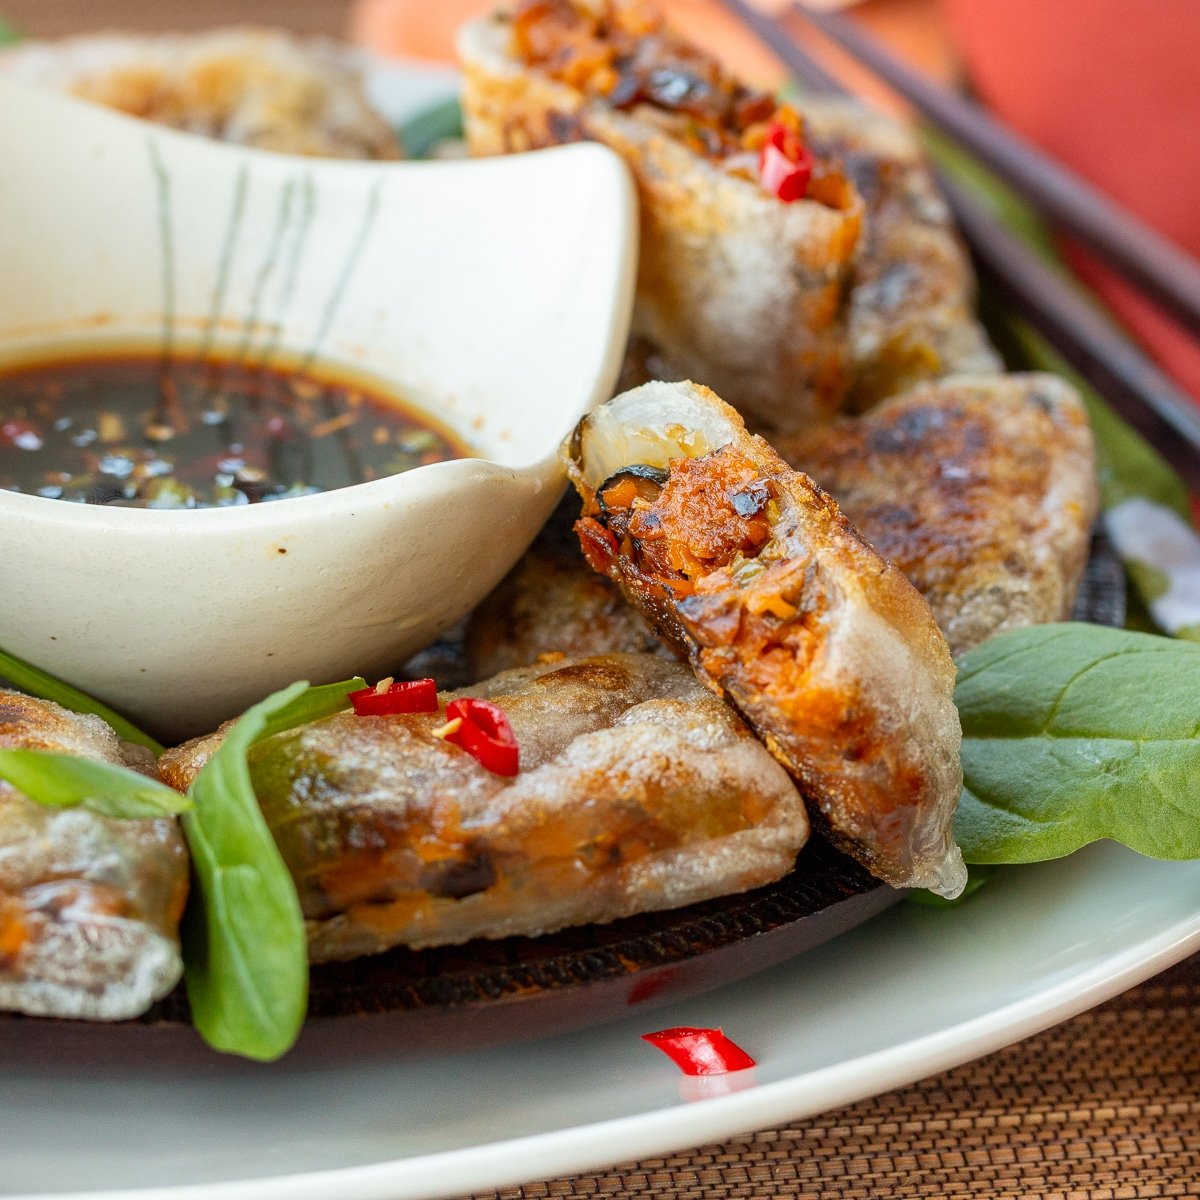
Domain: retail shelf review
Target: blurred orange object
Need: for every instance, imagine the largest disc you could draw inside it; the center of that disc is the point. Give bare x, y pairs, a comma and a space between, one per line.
412, 28
419, 29
1112, 89
914, 28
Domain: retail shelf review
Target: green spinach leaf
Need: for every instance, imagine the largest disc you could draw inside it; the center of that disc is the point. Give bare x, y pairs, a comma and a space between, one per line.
65, 781
245, 949
27, 678
1073, 733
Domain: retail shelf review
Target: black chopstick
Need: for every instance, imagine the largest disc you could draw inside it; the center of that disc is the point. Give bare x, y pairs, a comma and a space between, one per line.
1156, 265
1138, 389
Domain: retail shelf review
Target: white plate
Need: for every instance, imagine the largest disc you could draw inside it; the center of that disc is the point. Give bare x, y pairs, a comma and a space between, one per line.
913, 992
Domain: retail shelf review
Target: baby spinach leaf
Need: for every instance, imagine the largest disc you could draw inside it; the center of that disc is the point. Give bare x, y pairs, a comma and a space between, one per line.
245, 949
33, 680
65, 781
1072, 733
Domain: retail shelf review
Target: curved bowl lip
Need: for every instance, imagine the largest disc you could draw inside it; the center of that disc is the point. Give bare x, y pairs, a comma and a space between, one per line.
446, 476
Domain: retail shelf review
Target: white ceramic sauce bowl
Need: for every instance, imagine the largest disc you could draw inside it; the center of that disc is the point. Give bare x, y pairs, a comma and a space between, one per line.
495, 294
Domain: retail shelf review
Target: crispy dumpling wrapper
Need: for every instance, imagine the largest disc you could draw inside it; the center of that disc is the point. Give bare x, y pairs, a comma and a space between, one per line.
911, 314
824, 647
981, 489
89, 905
638, 791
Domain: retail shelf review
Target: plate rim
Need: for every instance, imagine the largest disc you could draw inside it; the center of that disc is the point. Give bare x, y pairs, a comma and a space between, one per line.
594, 1145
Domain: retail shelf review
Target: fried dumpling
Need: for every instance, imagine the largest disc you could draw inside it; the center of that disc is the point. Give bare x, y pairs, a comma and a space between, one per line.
824, 647
735, 285
89, 905
638, 791
911, 316
258, 87
981, 489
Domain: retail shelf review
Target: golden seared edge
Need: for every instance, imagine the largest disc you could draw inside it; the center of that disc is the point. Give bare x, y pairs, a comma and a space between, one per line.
258, 87
830, 654
89, 905
638, 791
734, 286
912, 297
981, 489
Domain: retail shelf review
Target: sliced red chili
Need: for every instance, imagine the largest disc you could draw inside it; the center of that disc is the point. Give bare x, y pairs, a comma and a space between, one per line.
785, 163
699, 1051
485, 734
416, 696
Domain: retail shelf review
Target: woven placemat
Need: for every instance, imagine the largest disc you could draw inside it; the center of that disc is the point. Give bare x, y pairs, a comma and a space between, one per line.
1103, 1107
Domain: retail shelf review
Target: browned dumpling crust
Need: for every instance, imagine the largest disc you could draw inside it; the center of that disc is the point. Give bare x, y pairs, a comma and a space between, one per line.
257, 87
638, 791
912, 295
981, 489
89, 905
823, 646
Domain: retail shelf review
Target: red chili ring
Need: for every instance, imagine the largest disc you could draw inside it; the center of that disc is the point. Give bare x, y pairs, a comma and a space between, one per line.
415, 696
485, 734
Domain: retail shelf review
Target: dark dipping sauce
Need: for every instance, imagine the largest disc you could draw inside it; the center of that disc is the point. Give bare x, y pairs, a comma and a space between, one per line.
131, 431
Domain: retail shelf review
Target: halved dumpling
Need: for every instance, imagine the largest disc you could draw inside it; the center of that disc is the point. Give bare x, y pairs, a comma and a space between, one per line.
823, 646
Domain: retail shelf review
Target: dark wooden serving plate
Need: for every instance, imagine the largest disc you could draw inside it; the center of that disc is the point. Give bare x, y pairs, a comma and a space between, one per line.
517, 989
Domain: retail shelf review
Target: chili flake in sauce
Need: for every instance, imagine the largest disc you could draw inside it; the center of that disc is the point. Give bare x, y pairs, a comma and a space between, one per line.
131, 431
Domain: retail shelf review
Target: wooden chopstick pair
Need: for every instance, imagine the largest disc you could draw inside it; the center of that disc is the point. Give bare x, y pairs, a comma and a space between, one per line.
1161, 411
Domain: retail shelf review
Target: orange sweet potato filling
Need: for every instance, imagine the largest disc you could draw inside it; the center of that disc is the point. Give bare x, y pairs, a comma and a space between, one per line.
389, 885
710, 511
623, 52
14, 931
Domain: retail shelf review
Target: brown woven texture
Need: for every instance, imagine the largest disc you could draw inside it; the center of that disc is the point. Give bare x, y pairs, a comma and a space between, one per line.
1102, 1107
